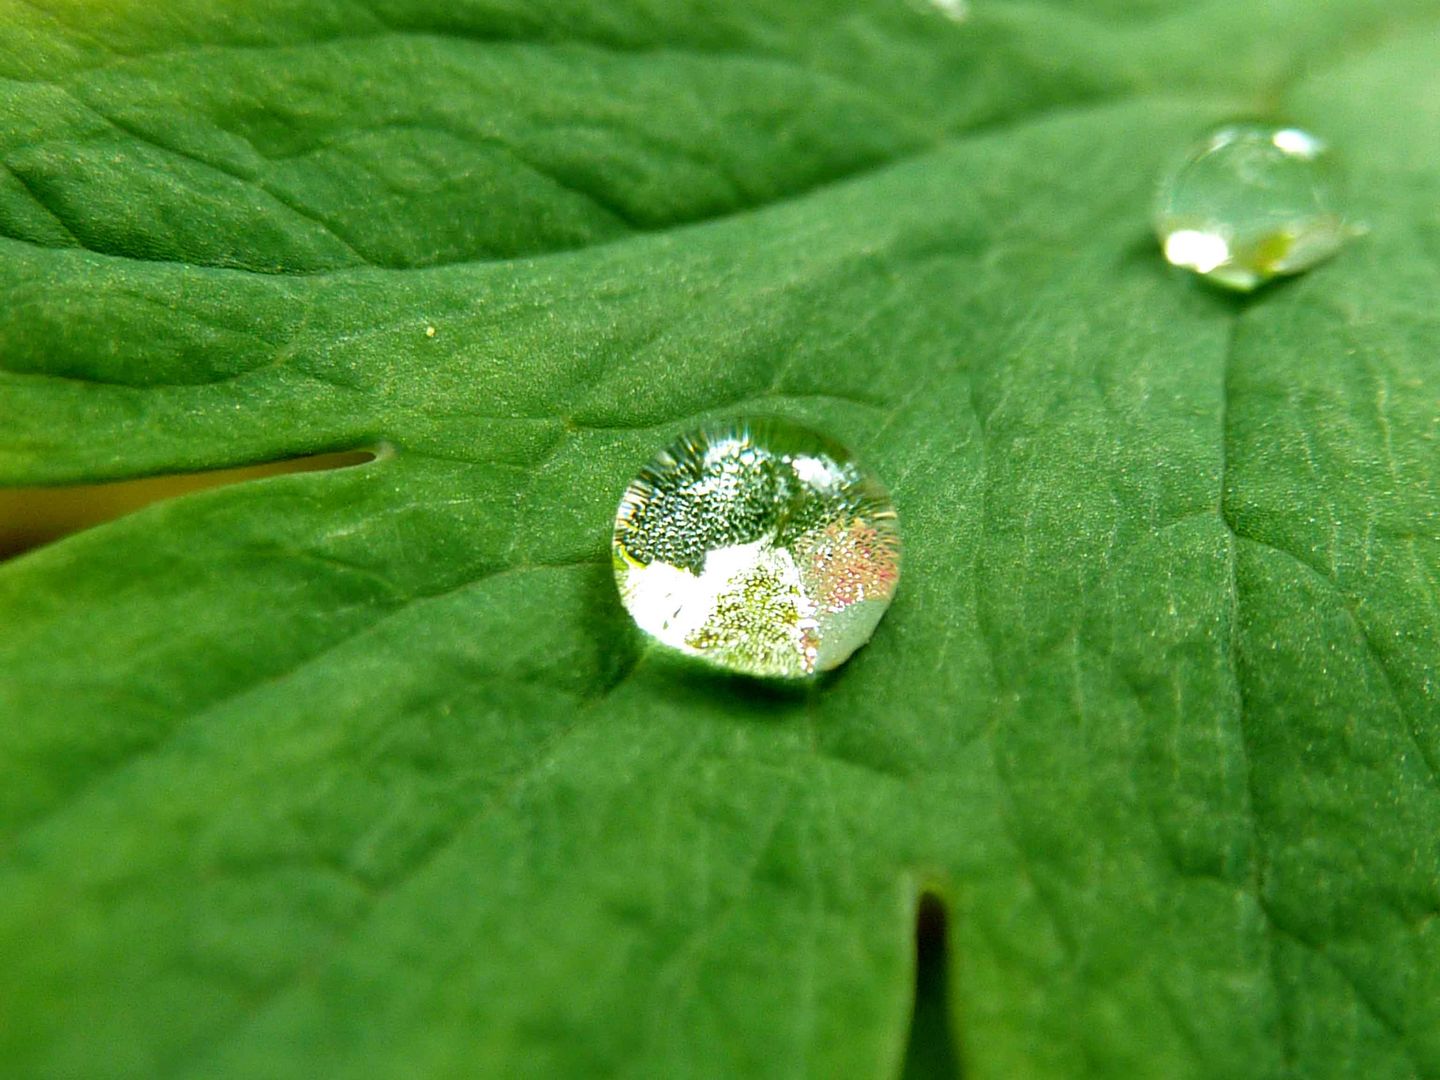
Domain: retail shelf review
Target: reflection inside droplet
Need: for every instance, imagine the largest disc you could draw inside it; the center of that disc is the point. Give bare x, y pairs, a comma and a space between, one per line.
758, 546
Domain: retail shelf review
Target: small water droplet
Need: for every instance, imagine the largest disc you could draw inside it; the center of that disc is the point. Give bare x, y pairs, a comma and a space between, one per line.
759, 546
1250, 203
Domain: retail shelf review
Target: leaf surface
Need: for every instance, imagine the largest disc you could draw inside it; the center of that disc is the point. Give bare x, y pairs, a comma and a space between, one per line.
364, 773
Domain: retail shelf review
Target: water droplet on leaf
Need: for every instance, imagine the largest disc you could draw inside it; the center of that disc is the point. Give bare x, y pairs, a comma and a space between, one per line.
1250, 203
758, 546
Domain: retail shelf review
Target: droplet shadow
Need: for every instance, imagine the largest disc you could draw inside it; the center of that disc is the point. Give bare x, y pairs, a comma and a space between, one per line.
745, 696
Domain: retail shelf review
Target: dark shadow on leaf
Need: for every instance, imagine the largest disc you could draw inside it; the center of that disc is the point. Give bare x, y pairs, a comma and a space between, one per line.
749, 698
622, 645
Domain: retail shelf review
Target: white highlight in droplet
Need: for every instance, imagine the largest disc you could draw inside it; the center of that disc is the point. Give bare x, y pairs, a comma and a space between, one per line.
1299, 143
815, 472
1198, 251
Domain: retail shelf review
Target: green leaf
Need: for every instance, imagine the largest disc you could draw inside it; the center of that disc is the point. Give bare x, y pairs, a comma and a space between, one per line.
363, 772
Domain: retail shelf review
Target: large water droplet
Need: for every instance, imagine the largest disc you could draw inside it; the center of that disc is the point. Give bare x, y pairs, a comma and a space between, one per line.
759, 546
1251, 203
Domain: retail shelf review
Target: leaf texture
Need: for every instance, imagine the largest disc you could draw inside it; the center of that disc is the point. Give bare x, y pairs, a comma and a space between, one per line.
363, 773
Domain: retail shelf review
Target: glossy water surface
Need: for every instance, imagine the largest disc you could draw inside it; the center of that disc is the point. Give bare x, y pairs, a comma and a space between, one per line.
758, 546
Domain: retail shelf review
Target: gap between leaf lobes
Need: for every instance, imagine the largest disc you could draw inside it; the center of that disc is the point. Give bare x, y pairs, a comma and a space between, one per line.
930, 1051
34, 517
